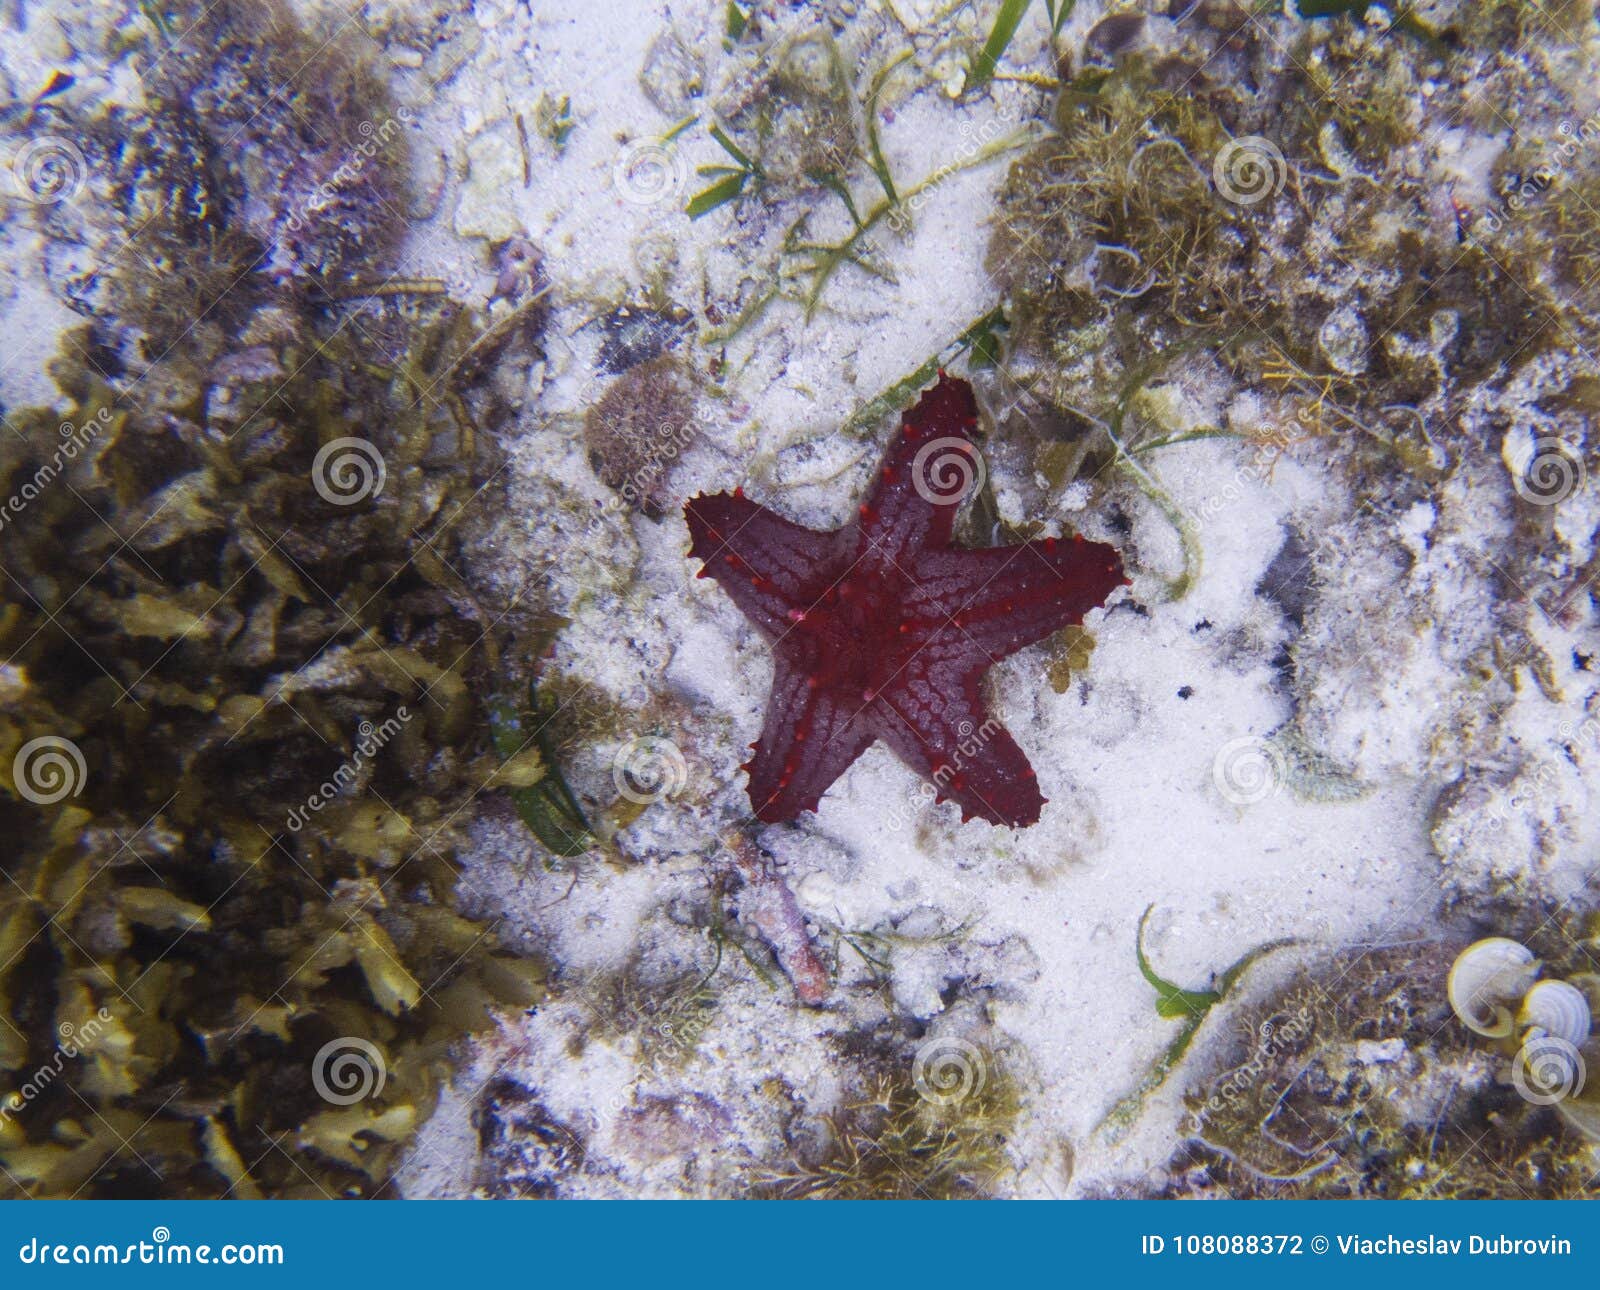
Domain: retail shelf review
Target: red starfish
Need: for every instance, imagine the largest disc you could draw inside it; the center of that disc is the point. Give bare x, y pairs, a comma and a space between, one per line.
883, 630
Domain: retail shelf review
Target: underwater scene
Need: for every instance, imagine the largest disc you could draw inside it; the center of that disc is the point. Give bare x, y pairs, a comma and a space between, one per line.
868, 599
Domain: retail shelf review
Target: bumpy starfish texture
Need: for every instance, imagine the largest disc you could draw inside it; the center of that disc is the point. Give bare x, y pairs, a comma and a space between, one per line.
883, 630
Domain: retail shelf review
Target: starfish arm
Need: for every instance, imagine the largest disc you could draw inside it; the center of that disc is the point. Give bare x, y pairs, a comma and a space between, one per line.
936, 725
771, 568
993, 601
810, 738
930, 466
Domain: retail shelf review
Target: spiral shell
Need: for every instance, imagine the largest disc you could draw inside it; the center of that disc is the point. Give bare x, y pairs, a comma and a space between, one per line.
1487, 981
1557, 1009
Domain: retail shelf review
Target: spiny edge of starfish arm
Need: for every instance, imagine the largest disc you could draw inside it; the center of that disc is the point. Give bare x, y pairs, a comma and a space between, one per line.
809, 739
927, 470
968, 756
769, 566
1000, 599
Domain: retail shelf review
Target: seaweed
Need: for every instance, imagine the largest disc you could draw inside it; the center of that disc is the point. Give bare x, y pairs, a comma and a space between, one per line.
728, 182
1006, 21
804, 129
1354, 1079
1158, 231
545, 804
1175, 1003
932, 1124
239, 661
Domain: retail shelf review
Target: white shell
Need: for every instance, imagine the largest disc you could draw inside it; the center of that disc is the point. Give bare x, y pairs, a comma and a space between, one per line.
1557, 1009
1487, 980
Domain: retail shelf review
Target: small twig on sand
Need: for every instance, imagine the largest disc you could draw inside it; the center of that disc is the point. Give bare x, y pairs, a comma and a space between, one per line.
767, 904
